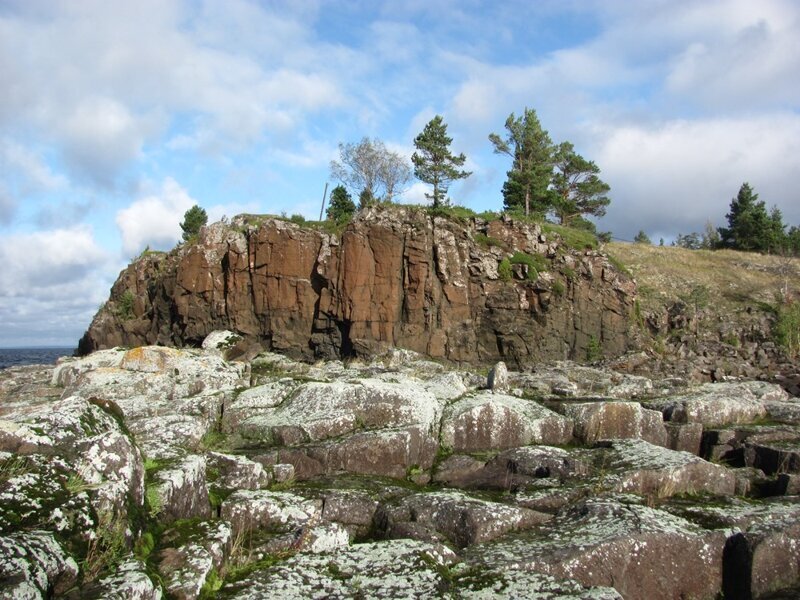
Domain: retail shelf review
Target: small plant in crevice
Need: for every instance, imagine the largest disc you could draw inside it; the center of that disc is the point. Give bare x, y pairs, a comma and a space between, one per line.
504, 270
106, 548
594, 350
124, 309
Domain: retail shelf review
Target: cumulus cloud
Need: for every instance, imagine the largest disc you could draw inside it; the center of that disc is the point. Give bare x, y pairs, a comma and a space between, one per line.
124, 72
673, 177
154, 220
47, 261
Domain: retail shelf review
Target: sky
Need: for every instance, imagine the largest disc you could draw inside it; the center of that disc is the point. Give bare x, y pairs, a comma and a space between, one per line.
117, 116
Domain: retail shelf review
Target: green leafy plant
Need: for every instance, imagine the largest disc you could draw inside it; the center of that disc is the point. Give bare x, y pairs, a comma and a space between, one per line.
558, 288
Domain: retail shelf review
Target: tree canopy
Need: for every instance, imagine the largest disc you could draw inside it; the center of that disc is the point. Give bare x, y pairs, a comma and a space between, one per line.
368, 166
434, 163
341, 206
531, 150
750, 227
193, 219
578, 189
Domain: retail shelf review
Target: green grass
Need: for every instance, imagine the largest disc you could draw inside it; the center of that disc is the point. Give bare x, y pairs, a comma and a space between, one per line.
577, 239
535, 263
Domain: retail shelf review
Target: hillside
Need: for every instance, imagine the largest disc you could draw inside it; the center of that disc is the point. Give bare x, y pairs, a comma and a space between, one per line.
736, 281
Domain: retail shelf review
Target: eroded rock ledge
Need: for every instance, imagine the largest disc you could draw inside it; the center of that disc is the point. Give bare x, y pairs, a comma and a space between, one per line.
395, 277
156, 471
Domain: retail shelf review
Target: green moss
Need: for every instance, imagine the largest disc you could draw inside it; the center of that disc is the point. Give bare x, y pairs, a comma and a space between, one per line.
504, 270
558, 288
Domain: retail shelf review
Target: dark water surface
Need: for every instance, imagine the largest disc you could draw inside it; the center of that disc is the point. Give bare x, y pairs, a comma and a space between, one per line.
10, 357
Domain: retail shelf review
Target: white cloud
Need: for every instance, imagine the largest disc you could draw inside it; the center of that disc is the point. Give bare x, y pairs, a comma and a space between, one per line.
47, 262
8, 205
674, 177
32, 169
154, 220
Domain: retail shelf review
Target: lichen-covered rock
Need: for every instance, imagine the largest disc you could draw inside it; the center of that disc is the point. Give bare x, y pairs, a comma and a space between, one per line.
191, 552
169, 398
640, 467
353, 509
384, 453
762, 554
232, 472
473, 583
714, 405
462, 520
182, 490
129, 581
644, 553
498, 378
319, 411
282, 512
603, 420
511, 469
392, 569
487, 421
33, 565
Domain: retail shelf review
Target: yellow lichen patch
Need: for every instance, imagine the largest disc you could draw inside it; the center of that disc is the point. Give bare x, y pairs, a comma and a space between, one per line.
149, 359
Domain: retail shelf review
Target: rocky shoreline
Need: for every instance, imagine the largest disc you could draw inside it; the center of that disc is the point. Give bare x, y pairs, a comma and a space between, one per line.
159, 472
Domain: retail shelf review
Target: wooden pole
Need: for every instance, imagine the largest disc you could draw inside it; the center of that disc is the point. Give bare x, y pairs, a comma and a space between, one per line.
325, 193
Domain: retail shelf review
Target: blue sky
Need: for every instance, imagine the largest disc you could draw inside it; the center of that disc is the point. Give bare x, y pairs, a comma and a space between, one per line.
115, 117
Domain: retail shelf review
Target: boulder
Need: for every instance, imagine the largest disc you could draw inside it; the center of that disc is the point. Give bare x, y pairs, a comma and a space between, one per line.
644, 553
280, 512
602, 420
34, 565
713, 405
498, 378
190, 552
488, 421
129, 580
640, 467
232, 472
180, 491
460, 519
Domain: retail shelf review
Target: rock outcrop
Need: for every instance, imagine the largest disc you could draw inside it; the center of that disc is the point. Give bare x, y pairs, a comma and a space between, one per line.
394, 277
161, 472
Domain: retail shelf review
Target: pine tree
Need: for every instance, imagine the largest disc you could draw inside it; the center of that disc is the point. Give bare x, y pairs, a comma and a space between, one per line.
341, 206
433, 161
578, 189
531, 149
193, 220
750, 228
642, 238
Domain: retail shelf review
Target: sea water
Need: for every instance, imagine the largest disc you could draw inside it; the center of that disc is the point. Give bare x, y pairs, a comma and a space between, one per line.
10, 357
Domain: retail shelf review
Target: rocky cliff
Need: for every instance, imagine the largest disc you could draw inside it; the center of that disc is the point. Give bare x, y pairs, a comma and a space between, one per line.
394, 277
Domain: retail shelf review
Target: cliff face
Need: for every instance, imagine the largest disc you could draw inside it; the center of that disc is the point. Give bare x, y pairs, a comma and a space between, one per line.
394, 277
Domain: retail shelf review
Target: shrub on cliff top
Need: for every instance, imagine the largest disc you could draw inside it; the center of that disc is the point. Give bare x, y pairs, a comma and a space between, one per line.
193, 219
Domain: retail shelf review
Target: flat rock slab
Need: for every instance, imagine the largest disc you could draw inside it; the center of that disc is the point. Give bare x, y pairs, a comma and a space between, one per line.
182, 490
644, 553
489, 421
511, 469
385, 453
392, 569
461, 519
318, 411
280, 512
603, 420
640, 467
716, 404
